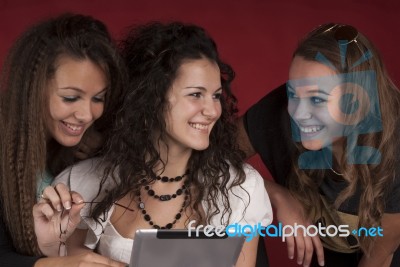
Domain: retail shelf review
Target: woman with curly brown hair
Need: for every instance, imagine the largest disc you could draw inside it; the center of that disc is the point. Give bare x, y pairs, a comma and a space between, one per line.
172, 157
57, 80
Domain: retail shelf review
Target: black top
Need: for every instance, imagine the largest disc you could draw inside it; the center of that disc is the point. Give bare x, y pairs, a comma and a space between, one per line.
8, 256
267, 124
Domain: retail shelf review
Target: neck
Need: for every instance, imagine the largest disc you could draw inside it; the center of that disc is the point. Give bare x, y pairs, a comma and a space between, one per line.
175, 159
338, 153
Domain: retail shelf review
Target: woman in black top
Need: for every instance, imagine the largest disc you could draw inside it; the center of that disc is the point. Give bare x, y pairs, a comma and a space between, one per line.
330, 140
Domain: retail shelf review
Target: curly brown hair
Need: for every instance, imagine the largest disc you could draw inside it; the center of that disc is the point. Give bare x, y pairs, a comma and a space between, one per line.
154, 53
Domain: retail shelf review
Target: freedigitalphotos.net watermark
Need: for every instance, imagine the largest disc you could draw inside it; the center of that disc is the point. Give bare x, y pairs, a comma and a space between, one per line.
281, 231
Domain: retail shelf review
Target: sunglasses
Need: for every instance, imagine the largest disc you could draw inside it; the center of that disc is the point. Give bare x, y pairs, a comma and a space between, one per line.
62, 249
345, 35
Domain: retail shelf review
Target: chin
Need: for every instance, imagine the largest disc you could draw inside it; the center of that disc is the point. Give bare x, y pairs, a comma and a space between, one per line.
69, 141
200, 147
312, 144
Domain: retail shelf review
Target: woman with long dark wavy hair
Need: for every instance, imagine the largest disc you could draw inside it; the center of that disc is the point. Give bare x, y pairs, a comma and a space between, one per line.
172, 156
57, 80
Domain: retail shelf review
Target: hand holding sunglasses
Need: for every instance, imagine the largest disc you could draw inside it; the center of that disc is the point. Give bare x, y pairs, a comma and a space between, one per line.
56, 216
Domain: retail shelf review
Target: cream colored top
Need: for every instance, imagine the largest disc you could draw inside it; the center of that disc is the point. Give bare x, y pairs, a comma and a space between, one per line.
85, 178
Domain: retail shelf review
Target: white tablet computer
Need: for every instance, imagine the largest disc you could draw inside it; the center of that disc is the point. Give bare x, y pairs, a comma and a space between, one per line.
174, 248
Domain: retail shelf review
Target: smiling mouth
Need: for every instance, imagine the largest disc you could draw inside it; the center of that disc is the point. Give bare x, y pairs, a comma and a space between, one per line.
310, 129
199, 126
72, 127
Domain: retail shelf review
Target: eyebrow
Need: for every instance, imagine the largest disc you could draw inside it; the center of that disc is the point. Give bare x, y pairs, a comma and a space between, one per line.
318, 91
201, 88
311, 91
79, 90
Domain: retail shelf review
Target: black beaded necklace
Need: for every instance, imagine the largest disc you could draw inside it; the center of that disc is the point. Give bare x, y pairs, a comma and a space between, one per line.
147, 217
167, 197
166, 179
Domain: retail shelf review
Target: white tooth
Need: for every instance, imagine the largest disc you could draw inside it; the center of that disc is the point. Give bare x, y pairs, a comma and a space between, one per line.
310, 129
199, 126
73, 127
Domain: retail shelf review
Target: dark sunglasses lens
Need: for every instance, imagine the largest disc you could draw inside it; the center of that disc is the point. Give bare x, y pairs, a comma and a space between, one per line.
346, 32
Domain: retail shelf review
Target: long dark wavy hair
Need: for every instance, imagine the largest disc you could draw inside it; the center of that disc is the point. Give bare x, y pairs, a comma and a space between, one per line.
29, 66
153, 54
373, 179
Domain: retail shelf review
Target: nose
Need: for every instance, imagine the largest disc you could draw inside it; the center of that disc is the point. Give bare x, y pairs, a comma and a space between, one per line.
211, 108
84, 113
300, 110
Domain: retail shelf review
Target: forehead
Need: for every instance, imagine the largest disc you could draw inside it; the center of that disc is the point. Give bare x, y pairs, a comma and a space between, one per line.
311, 76
199, 72
301, 68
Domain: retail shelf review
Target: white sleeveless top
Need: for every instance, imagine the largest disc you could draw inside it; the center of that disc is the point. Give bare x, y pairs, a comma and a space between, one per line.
85, 178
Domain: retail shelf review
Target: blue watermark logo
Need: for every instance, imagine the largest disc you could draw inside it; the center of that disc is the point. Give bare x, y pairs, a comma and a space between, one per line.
347, 105
281, 231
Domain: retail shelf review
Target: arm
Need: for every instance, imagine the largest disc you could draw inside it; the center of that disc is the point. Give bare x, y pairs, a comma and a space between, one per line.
89, 259
243, 139
9, 258
385, 246
76, 242
251, 213
248, 255
288, 210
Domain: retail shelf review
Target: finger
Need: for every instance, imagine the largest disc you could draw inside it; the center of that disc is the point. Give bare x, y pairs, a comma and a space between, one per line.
308, 252
43, 209
43, 199
50, 194
74, 213
65, 195
300, 247
114, 263
319, 250
76, 197
290, 246
96, 258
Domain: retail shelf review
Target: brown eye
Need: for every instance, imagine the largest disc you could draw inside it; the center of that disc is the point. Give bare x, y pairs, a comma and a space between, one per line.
98, 99
196, 95
69, 99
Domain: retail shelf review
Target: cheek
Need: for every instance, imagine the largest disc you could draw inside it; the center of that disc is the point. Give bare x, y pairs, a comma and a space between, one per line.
332, 120
172, 117
97, 110
333, 128
219, 110
55, 109
291, 108
335, 113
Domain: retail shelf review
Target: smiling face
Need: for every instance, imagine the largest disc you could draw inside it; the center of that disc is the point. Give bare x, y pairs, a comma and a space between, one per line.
75, 99
194, 104
314, 98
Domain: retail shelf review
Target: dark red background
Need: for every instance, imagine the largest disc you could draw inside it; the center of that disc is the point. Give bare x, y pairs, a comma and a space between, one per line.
256, 37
